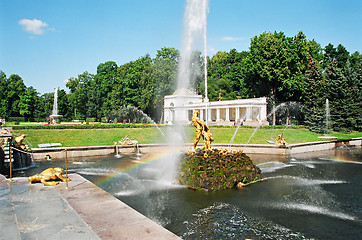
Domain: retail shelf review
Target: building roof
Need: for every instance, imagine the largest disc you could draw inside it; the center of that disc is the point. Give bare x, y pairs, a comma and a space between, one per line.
184, 91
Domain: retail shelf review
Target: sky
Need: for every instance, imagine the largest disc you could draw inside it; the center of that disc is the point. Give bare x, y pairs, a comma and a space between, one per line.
47, 42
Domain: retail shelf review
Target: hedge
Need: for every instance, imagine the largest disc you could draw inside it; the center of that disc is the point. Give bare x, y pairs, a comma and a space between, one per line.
132, 125
82, 126
15, 119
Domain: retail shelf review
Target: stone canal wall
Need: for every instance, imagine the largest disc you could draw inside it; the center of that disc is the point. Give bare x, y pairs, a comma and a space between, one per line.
270, 149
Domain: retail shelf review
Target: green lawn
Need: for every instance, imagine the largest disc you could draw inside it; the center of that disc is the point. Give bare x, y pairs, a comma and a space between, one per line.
94, 137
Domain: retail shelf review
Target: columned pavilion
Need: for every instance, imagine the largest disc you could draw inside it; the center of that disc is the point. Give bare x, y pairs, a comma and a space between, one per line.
179, 107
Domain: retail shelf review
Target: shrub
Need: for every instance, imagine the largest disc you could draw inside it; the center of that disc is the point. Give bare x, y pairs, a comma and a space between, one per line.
16, 119
90, 120
81, 126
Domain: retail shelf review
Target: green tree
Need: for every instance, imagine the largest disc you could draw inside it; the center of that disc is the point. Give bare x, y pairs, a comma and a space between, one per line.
226, 75
78, 96
337, 95
269, 57
356, 83
342, 56
46, 106
355, 60
28, 101
315, 94
4, 101
16, 88
299, 50
163, 79
99, 98
133, 86
64, 108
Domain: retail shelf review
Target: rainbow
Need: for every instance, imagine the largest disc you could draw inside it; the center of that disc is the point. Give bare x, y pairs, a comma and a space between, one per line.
344, 160
130, 166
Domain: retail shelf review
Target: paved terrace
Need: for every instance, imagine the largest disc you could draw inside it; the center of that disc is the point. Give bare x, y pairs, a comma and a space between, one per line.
83, 211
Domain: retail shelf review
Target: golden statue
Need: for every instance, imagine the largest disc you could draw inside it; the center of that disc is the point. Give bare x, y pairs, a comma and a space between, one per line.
281, 141
49, 177
18, 142
202, 130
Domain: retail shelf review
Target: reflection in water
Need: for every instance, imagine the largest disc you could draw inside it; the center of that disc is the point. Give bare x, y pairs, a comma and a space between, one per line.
307, 196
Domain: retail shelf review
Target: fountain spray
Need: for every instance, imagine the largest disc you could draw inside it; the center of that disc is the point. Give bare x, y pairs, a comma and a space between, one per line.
193, 34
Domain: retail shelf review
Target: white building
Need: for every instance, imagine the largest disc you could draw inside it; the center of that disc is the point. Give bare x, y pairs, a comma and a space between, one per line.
179, 107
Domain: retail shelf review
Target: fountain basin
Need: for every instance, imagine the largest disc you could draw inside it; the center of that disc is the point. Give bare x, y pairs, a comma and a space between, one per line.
264, 149
56, 116
306, 189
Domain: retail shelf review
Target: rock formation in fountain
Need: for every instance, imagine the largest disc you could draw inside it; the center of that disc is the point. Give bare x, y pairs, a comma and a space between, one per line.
213, 170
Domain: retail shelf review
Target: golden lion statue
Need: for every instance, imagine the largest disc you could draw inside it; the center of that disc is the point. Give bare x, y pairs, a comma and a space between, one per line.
49, 177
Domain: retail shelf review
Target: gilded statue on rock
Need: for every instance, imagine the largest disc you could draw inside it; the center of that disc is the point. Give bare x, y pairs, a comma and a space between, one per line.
281, 141
202, 130
49, 177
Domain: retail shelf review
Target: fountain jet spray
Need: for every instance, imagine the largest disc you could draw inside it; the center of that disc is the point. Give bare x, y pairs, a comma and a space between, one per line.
328, 116
55, 114
194, 32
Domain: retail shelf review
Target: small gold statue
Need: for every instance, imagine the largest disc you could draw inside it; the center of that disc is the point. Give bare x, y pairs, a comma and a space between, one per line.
49, 177
126, 141
202, 130
18, 142
281, 141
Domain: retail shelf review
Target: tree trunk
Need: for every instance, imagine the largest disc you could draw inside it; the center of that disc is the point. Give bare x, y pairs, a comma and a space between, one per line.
274, 107
274, 115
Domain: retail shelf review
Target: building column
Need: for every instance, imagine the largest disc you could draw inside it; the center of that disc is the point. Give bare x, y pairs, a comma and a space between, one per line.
263, 113
218, 114
248, 114
237, 114
202, 114
227, 118
209, 111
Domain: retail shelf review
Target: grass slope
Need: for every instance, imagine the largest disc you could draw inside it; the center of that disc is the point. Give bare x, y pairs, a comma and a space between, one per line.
96, 137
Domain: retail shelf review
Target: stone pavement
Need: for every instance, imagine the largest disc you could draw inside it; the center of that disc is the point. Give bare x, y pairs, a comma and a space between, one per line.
32, 211
83, 211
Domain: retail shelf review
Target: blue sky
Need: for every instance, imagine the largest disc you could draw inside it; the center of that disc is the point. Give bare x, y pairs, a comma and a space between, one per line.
46, 42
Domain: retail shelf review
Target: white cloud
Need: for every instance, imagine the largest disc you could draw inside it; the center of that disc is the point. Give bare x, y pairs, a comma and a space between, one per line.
228, 38
213, 50
34, 26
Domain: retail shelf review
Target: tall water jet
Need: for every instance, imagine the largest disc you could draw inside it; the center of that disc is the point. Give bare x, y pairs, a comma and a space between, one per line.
193, 34
328, 121
55, 114
328, 116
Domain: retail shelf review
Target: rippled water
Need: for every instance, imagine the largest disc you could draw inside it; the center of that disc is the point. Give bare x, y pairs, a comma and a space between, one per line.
307, 196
